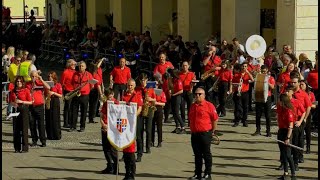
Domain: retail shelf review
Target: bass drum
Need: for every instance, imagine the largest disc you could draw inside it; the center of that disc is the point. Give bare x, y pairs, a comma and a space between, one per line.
261, 88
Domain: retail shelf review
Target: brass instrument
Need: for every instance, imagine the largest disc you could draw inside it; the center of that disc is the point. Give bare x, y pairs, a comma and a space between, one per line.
147, 109
73, 93
208, 73
240, 87
215, 86
48, 101
215, 140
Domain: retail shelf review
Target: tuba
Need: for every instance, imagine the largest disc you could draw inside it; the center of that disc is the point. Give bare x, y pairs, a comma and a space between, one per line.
256, 46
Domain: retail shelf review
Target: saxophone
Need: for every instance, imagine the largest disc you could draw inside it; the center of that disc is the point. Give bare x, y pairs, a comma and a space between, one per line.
48, 101
146, 108
207, 74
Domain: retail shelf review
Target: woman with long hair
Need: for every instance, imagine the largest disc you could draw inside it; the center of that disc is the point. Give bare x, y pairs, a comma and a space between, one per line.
53, 125
20, 99
284, 78
305, 87
286, 118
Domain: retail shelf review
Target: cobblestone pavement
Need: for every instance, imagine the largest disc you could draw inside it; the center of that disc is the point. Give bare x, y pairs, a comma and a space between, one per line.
79, 155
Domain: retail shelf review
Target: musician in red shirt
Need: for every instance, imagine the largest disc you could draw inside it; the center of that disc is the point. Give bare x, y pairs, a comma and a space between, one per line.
312, 78
186, 78
20, 99
65, 81
128, 153
162, 67
52, 113
264, 106
149, 97
110, 153
158, 116
96, 92
254, 69
37, 86
284, 78
80, 78
241, 98
286, 118
224, 87
119, 77
203, 123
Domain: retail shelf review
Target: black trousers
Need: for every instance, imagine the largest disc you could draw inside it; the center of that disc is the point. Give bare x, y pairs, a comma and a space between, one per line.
93, 104
240, 107
81, 101
67, 112
37, 122
52, 117
251, 87
285, 151
266, 108
130, 164
223, 88
167, 110
201, 144
157, 121
307, 130
110, 153
118, 89
20, 128
187, 97
297, 140
175, 104
143, 123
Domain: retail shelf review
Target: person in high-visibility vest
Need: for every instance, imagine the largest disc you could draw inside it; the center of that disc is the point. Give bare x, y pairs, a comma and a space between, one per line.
13, 69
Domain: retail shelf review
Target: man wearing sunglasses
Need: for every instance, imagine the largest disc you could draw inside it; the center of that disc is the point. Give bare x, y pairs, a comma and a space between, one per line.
203, 123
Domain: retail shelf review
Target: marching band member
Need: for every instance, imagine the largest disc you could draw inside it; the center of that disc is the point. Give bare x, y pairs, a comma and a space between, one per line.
110, 153
300, 115
304, 99
186, 78
306, 88
286, 118
158, 117
266, 106
241, 98
80, 78
96, 92
162, 67
20, 98
52, 113
149, 97
224, 87
175, 95
210, 62
119, 77
166, 81
37, 86
128, 153
203, 123
312, 78
254, 70
284, 78
66, 82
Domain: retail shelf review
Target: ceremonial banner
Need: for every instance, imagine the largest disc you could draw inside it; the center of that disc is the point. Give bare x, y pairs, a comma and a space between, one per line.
122, 122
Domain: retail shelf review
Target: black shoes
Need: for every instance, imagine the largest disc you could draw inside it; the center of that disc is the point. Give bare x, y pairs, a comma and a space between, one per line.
280, 167
256, 133
308, 149
148, 151
235, 124
159, 145
43, 145
182, 131
268, 134
301, 160
66, 126
138, 159
206, 177
195, 177
296, 167
81, 130
92, 122
110, 170
245, 124
34, 144
176, 130
71, 129
283, 177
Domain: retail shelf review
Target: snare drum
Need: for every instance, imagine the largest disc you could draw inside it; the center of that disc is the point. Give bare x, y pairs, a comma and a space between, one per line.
261, 88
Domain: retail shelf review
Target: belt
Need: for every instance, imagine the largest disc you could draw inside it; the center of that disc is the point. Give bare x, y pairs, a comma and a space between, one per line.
202, 132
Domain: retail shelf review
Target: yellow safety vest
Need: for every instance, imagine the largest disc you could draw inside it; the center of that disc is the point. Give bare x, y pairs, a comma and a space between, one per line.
24, 70
12, 73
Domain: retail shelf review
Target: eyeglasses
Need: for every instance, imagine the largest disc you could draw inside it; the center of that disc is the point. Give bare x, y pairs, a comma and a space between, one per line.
198, 94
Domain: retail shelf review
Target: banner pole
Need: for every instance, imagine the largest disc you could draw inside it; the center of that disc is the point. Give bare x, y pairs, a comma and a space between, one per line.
117, 174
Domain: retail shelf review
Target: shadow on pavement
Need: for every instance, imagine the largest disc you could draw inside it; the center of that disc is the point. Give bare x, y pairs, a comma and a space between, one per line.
70, 157
78, 149
60, 169
249, 150
234, 175
240, 158
162, 176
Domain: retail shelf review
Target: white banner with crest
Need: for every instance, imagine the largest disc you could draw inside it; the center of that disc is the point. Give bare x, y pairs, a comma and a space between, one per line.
122, 122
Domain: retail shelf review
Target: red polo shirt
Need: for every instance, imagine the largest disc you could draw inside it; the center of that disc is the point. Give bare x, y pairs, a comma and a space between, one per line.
104, 110
303, 97
81, 78
98, 77
284, 78
36, 93
252, 67
66, 79
298, 108
165, 88
225, 75
312, 97
161, 98
312, 79
121, 76
161, 68
213, 61
186, 79
201, 116
177, 85
245, 82
285, 116
22, 94
142, 91
57, 88
137, 99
